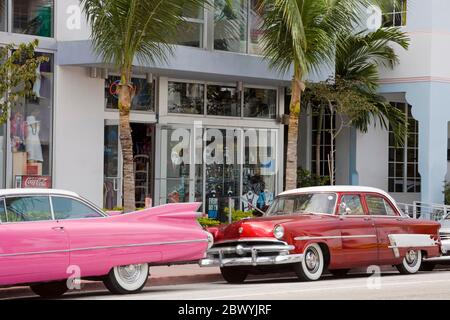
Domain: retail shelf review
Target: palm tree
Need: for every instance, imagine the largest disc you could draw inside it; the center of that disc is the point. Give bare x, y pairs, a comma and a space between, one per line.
299, 37
358, 59
127, 30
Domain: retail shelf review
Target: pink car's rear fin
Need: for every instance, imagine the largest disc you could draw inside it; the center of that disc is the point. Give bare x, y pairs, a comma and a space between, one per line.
172, 210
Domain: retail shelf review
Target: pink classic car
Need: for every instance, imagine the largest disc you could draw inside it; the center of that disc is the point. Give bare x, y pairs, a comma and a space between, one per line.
50, 237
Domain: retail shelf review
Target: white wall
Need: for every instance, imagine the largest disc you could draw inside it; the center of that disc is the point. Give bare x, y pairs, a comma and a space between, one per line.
70, 22
372, 158
79, 133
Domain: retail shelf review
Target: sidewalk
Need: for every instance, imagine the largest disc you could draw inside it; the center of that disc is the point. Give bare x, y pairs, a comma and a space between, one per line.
159, 276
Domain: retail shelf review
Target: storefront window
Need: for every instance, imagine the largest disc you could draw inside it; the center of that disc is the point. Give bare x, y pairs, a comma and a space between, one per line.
186, 98
223, 101
259, 172
3, 14
177, 167
260, 103
256, 21
144, 94
223, 172
31, 132
230, 25
33, 17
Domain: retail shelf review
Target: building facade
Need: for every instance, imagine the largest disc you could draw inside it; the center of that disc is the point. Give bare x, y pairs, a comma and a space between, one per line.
214, 91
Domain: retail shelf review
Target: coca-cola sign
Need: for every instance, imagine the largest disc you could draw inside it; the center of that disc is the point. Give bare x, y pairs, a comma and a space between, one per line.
34, 182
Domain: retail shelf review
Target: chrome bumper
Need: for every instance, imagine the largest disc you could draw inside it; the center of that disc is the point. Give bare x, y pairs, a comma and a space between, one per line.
445, 246
215, 256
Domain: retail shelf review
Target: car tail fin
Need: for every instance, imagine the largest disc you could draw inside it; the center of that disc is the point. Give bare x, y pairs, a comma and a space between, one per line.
167, 211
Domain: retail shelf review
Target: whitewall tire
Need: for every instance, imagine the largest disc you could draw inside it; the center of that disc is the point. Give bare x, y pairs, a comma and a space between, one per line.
311, 269
127, 279
411, 262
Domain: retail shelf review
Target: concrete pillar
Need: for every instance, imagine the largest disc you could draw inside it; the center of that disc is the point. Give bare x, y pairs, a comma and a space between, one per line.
430, 106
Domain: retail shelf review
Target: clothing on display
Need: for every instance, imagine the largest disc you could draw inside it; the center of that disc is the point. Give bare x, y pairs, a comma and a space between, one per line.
32, 142
251, 201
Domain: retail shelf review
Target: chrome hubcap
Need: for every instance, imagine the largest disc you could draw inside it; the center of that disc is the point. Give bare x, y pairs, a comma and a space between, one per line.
312, 260
130, 273
411, 257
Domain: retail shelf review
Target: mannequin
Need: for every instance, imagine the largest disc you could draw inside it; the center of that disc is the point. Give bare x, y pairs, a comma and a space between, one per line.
32, 142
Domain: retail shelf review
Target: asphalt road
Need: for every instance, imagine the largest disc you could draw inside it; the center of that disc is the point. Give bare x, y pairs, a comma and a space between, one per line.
391, 285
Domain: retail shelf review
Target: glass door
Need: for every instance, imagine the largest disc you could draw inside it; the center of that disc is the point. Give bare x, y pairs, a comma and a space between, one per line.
180, 173
112, 167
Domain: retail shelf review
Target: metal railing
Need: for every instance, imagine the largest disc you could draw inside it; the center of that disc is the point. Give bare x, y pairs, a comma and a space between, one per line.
428, 211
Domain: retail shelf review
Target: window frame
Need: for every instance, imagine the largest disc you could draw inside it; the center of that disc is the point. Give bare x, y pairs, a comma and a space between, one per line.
361, 201
403, 11
2, 199
417, 186
80, 200
49, 196
386, 202
52, 217
241, 101
10, 21
135, 76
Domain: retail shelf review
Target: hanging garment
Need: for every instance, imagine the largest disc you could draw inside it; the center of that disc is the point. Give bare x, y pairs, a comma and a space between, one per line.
37, 82
251, 201
268, 197
32, 142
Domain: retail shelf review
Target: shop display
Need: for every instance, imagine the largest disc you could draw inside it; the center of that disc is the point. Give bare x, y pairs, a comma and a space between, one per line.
30, 131
32, 142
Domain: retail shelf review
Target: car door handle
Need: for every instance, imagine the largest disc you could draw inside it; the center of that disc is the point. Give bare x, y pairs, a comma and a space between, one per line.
58, 228
367, 219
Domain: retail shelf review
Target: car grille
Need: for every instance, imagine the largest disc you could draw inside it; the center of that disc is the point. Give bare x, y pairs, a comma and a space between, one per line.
247, 244
445, 236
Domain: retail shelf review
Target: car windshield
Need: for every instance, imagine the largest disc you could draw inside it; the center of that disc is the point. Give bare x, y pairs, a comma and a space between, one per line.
305, 203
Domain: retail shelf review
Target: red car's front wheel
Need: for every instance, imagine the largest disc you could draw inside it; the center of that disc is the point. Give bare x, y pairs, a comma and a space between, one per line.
313, 264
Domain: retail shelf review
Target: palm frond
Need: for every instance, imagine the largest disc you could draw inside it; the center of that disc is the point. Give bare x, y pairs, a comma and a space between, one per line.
124, 30
358, 56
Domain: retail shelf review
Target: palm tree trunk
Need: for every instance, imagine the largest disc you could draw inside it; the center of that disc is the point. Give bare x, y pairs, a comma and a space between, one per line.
291, 156
126, 142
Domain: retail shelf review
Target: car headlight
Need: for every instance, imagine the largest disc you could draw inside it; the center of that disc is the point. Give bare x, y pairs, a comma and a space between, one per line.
210, 240
278, 232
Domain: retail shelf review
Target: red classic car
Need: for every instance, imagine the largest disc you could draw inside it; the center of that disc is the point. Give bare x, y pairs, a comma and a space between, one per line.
311, 230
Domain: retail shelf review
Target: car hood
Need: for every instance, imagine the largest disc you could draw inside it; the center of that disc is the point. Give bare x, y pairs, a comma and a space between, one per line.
257, 227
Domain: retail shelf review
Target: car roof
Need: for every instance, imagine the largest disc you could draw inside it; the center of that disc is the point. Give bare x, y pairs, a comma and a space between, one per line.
30, 191
338, 189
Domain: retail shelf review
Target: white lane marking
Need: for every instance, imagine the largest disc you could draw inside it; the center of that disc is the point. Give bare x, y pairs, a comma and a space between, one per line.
399, 284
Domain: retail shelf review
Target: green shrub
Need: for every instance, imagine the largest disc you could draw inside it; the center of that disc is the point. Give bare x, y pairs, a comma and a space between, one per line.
447, 193
237, 215
307, 179
206, 222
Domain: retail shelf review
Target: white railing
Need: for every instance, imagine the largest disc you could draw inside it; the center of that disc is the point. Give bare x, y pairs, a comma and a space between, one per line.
421, 210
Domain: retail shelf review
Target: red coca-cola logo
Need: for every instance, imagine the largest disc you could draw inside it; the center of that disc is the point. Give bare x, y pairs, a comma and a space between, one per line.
36, 182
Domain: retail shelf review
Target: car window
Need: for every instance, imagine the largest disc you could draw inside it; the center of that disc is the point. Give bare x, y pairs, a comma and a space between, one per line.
351, 205
2, 211
28, 208
303, 203
67, 208
379, 207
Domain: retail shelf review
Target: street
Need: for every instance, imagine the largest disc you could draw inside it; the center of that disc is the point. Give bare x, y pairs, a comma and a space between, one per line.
391, 285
